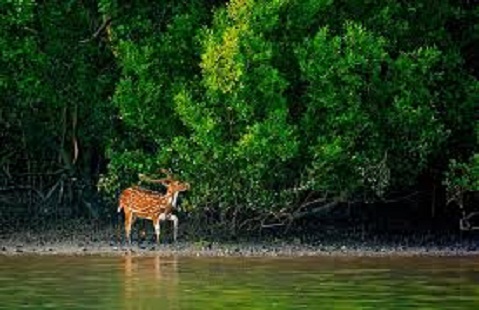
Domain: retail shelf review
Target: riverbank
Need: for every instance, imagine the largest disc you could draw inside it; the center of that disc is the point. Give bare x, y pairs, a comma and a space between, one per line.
91, 240
184, 249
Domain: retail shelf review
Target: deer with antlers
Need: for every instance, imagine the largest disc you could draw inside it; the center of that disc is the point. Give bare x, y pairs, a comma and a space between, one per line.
138, 202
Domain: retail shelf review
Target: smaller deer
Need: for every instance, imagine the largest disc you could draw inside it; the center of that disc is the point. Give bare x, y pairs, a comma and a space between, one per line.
137, 202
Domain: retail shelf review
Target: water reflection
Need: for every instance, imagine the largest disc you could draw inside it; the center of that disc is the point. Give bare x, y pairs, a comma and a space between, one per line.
135, 282
150, 280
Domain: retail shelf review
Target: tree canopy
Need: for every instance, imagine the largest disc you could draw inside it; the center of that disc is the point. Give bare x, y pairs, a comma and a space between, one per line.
263, 106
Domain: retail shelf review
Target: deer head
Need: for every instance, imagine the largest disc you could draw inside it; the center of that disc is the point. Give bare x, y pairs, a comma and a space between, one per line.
170, 181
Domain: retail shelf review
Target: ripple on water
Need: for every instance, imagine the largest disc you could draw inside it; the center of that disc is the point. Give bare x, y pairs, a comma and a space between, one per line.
130, 282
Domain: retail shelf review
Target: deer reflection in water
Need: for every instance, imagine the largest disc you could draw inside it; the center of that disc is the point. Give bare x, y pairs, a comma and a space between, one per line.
150, 282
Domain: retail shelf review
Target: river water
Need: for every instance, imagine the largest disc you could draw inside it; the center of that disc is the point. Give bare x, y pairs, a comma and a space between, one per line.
129, 282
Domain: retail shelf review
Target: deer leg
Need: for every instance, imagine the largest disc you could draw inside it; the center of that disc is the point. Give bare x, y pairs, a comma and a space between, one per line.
128, 223
141, 232
161, 218
174, 219
156, 224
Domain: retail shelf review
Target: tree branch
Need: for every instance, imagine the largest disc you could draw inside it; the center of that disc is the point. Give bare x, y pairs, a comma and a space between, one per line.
25, 188
401, 198
103, 26
290, 217
307, 204
299, 214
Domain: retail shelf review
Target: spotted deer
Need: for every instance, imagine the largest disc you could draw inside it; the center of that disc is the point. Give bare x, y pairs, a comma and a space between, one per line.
138, 202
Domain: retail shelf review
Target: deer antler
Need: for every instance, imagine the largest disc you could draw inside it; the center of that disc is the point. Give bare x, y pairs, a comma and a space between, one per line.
145, 178
169, 177
169, 174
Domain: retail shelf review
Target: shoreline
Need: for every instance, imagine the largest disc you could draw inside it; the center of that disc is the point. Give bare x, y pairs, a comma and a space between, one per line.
266, 250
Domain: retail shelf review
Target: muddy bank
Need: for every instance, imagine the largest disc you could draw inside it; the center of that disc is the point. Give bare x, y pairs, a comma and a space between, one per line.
108, 240
186, 249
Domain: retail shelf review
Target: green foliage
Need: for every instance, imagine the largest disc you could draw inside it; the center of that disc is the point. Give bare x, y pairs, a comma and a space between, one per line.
357, 112
55, 116
278, 95
259, 104
463, 176
54, 87
157, 53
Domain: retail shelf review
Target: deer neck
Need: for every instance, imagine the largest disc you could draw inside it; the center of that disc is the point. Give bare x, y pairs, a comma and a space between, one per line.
172, 198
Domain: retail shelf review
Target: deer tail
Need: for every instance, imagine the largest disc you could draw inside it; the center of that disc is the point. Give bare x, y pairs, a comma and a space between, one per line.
120, 202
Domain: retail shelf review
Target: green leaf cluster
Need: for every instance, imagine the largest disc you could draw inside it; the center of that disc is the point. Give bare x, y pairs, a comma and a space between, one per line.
265, 98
